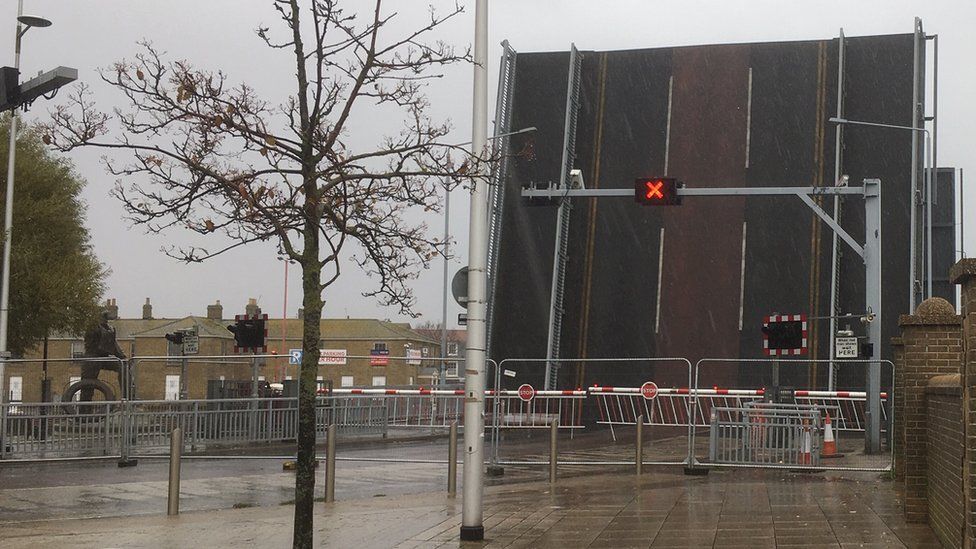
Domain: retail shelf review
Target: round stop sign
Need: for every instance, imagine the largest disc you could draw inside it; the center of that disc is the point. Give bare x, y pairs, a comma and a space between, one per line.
649, 390
526, 392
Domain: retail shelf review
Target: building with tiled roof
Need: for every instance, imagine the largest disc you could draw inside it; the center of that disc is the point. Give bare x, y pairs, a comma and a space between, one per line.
360, 352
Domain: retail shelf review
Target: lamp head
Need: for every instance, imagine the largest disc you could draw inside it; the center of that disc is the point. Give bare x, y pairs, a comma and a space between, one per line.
34, 21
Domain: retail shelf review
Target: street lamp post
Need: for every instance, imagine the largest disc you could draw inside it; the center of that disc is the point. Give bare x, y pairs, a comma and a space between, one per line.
929, 174
472, 524
24, 24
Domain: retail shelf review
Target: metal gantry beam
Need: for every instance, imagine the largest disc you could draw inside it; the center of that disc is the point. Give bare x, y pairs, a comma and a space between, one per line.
555, 192
870, 251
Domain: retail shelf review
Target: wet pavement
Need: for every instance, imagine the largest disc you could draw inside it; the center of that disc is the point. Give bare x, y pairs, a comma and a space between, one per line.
663, 508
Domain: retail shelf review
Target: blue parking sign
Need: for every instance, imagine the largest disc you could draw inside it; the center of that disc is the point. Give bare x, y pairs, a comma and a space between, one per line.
295, 356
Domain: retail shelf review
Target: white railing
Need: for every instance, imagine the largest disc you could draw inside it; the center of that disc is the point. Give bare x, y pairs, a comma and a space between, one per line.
674, 406
438, 408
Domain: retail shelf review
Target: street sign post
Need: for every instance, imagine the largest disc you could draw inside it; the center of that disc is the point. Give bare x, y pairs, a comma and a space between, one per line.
526, 392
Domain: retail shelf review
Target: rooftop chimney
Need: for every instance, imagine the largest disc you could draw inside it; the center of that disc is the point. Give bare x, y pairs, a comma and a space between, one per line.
147, 310
112, 308
215, 311
252, 308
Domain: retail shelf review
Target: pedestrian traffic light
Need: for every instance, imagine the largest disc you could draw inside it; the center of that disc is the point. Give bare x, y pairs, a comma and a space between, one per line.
9, 88
657, 191
249, 332
784, 335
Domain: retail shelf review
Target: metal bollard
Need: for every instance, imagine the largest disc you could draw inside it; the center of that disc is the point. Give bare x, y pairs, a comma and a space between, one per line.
452, 461
175, 452
713, 438
639, 445
330, 457
553, 431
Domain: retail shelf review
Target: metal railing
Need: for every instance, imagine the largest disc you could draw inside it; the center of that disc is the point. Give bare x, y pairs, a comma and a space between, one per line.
438, 408
766, 434
679, 420
622, 405
132, 428
672, 407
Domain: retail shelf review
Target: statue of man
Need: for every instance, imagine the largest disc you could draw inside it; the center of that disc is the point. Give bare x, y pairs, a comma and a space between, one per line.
99, 343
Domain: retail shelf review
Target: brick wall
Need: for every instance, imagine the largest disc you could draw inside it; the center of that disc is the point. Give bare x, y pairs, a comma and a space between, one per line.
931, 346
964, 274
944, 453
898, 432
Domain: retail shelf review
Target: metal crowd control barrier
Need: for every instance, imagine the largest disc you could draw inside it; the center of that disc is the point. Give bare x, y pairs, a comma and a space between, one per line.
848, 404
621, 405
845, 408
672, 407
673, 439
765, 435
439, 408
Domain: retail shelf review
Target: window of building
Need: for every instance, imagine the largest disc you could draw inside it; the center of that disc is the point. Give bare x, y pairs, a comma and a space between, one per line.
172, 389
425, 351
452, 369
380, 346
287, 378
452, 348
379, 381
349, 381
16, 388
77, 349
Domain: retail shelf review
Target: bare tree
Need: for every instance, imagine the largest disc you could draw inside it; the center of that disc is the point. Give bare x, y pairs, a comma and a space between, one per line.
216, 159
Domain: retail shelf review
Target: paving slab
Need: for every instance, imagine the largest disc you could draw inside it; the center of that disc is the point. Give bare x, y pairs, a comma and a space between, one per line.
662, 508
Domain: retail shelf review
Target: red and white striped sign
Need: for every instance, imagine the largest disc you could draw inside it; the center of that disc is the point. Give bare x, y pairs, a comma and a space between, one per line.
796, 351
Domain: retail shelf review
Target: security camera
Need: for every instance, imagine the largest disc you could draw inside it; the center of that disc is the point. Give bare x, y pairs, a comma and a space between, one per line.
576, 179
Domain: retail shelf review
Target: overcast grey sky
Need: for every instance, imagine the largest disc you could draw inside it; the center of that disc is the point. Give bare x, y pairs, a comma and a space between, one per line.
89, 34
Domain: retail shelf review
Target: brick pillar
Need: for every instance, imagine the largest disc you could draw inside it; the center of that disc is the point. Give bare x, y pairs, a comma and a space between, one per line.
964, 274
932, 345
898, 434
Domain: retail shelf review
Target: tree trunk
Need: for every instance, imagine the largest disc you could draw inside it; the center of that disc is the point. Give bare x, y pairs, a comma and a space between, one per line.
311, 333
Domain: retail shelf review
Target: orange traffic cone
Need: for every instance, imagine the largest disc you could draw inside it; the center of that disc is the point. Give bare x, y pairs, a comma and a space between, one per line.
829, 444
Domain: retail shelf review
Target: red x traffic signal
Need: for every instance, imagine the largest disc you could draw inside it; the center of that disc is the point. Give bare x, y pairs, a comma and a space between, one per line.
657, 191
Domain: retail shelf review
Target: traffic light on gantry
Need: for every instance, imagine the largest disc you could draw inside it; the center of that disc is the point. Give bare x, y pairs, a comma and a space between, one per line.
657, 191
